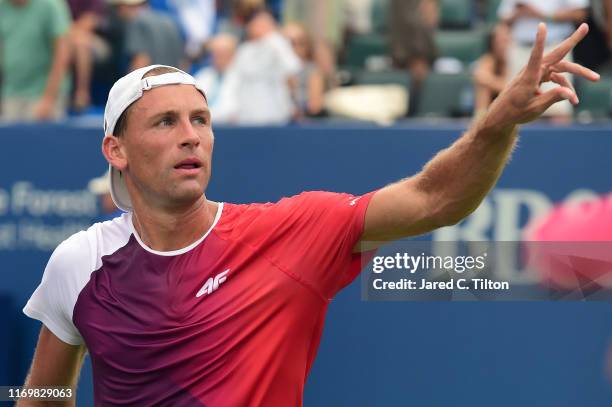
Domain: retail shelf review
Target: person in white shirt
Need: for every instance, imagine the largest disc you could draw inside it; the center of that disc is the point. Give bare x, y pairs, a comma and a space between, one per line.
256, 88
222, 49
523, 16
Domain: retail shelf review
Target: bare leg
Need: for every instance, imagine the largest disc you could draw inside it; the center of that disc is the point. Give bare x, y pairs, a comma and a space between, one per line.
82, 52
418, 69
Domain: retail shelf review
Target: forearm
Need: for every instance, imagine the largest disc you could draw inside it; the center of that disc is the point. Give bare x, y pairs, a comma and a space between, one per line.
30, 383
570, 15
458, 178
61, 56
40, 403
55, 363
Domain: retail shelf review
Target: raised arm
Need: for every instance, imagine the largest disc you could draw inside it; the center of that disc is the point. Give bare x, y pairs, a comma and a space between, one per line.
455, 181
55, 363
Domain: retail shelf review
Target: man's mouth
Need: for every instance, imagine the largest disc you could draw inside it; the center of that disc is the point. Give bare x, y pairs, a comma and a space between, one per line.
189, 164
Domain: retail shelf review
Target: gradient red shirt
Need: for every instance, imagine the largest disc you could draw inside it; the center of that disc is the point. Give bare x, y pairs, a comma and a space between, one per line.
234, 319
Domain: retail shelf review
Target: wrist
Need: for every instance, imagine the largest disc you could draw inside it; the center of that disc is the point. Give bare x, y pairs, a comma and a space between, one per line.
493, 124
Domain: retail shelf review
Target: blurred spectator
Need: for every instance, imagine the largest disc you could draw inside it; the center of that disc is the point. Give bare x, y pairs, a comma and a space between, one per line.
358, 14
151, 37
595, 49
222, 49
309, 86
100, 187
34, 59
523, 16
324, 20
234, 15
243, 10
256, 88
197, 19
412, 25
602, 12
491, 72
85, 47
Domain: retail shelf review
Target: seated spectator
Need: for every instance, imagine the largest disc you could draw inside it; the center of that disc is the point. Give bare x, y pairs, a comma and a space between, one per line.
222, 48
412, 25
523, 17
151, 37
595, 50
234, 15
309, 87
256, 89
34, 59
197, 20
85, 47
324, 20
491, 72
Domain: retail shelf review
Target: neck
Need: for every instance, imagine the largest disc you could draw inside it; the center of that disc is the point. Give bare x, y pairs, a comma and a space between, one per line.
166, 231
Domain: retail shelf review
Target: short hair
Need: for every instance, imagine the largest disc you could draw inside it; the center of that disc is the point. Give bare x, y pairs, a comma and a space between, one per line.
121, 125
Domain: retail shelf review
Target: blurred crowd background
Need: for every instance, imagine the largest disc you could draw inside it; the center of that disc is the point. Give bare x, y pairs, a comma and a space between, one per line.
325, 61
280, 61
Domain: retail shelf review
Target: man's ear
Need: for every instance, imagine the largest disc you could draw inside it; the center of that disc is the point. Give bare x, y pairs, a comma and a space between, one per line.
113, 150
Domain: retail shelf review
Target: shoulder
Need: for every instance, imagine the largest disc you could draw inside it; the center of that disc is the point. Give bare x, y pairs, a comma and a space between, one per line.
73, 253
82, 251
153, 16
305, 204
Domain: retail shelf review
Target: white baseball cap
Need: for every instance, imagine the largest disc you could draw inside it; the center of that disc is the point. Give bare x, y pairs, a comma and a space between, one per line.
124, 92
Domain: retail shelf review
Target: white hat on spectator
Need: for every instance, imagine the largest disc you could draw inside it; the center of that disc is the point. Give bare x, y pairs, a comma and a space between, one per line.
100, 185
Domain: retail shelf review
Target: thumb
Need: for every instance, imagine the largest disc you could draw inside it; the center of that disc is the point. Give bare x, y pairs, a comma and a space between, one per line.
549, 98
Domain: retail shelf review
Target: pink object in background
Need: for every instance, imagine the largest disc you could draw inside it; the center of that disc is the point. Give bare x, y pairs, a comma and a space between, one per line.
571, 247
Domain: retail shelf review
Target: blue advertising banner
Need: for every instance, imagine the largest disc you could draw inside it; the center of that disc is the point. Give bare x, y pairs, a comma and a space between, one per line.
372, 353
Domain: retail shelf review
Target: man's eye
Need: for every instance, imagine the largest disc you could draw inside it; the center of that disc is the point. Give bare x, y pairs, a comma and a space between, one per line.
166, 121
200, 120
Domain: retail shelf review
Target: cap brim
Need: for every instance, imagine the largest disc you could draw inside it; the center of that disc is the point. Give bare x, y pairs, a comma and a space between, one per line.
119, 191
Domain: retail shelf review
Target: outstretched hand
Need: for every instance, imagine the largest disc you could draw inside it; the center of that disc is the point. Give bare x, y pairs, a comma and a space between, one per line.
522, 100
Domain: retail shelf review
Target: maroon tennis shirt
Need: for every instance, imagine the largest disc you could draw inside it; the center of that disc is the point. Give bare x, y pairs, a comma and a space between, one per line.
234, 319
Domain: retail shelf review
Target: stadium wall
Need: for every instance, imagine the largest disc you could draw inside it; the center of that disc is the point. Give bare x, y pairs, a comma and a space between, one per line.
372, 353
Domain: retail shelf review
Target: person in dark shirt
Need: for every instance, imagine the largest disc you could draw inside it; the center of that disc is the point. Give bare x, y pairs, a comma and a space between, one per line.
151, 37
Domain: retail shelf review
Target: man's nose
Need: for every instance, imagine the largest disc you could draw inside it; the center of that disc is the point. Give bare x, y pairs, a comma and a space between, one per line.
189, 135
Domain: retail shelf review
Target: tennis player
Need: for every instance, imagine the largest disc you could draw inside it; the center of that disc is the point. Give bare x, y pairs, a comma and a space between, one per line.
185, 301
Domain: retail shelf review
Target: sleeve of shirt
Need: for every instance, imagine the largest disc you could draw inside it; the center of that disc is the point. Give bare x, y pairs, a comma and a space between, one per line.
53, 300
311, 236
289, 61
59, 18
225, 107
135, 38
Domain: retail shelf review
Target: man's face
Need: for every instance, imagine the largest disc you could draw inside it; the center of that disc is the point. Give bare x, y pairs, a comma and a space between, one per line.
168, 146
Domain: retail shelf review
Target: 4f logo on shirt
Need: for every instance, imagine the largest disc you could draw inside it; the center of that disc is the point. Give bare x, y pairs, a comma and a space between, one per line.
212, 283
